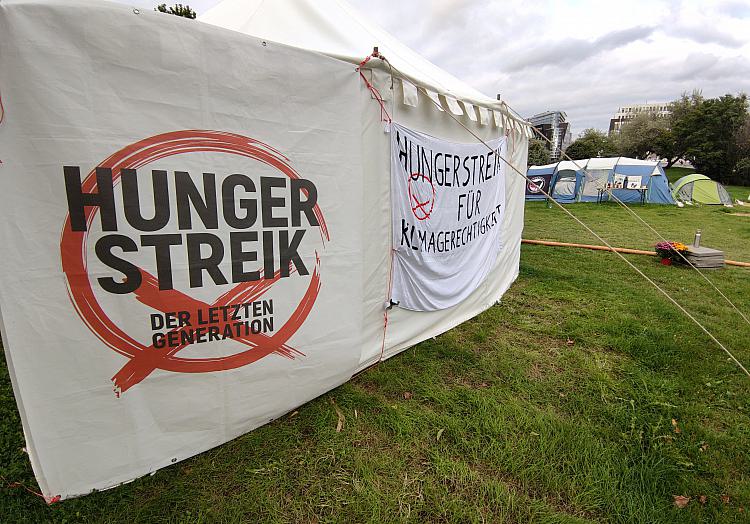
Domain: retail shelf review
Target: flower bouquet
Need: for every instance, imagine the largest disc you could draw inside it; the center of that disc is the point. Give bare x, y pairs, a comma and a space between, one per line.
671, 252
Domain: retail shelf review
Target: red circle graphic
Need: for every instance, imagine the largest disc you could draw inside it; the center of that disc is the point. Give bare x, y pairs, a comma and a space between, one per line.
421, 204
144, 359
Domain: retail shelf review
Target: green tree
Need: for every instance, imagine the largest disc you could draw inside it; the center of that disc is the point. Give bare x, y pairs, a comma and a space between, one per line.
642, 136
665, 137
665, 146
741, 172
684, 123
538, 153
742, 139
178, 9
711, 134
592, 143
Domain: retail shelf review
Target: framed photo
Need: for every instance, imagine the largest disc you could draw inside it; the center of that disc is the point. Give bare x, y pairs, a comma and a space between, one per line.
634, 182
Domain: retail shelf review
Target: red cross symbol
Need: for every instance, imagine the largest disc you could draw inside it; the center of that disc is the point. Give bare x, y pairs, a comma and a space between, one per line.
421, 204
146, 361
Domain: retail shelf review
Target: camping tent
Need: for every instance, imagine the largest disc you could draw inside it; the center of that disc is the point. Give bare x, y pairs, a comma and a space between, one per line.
207, 173
587, 180
562, 180
700, 189
540, 179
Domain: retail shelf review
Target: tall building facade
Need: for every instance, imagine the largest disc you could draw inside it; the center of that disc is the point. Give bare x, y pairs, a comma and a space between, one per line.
555, 126
626, 113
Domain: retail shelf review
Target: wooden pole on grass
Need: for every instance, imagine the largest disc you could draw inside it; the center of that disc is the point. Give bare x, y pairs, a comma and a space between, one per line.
618, 249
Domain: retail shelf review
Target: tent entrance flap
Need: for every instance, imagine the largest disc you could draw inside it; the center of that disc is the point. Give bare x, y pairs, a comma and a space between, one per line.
595, 181
565, 188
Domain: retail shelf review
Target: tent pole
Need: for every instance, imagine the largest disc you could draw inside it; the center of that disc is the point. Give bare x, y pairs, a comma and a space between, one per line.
617, 249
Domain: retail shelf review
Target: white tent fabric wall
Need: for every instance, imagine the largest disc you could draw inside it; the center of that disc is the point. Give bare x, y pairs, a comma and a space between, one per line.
334, 28
85, 99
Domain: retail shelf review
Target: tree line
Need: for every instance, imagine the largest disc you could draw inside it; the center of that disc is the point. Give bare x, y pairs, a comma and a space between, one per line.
713, 134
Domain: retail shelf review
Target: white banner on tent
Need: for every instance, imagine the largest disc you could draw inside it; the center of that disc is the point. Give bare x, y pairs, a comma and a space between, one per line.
183, 239
448, 207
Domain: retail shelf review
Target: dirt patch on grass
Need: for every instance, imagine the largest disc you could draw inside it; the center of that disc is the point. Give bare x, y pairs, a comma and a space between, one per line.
560, 503
535, 371
540, 370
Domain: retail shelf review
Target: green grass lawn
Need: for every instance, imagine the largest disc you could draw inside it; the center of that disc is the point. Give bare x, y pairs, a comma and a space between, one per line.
582, 397
722, 228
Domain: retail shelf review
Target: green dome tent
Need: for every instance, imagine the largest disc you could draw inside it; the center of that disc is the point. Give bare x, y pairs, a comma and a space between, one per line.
701, 190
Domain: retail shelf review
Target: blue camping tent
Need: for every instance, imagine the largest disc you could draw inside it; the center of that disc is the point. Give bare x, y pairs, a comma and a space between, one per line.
540, 179
593, 179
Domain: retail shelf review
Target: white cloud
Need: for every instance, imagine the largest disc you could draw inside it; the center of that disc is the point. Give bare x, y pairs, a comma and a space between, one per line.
571, 51
584, 57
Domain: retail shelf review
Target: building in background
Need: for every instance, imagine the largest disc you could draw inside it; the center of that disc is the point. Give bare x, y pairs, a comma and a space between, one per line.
554, 126
626, 113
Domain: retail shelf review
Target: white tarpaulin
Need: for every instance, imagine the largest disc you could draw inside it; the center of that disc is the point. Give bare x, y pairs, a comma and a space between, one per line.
448, 202
196, 224
180, 265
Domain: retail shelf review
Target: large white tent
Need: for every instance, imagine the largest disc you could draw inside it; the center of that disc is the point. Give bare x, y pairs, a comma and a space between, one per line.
336, 29
271, 95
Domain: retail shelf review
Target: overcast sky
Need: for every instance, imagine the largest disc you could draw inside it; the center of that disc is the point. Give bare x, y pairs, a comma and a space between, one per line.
584, 57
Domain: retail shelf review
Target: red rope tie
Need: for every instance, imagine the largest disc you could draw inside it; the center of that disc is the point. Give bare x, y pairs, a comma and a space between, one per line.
363, 62
11, 485
384, 115
385, 329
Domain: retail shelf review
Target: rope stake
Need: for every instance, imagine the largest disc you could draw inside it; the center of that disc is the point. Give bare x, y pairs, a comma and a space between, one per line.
48, 500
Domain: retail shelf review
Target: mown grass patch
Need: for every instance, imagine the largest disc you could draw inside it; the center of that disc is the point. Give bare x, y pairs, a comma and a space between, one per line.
582, 397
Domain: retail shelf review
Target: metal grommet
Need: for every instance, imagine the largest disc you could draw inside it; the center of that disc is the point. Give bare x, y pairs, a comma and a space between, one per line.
136, 11
264, 43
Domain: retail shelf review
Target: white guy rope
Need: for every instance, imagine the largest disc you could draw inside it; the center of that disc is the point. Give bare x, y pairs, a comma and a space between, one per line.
652, 229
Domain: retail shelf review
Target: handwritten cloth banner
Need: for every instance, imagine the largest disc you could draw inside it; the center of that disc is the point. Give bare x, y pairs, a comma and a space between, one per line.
448, 207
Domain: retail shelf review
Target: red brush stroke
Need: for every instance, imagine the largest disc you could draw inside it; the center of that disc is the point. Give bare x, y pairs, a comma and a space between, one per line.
145, 359
419, 206
144, 363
